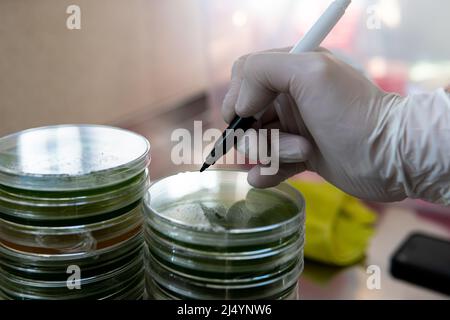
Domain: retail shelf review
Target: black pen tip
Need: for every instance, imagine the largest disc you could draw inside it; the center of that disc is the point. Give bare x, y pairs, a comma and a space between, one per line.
204, 167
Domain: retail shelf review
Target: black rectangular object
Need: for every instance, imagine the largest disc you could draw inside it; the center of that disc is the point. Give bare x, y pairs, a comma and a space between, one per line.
423, 260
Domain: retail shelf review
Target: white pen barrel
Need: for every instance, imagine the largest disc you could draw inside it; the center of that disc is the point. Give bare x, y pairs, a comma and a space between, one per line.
319, 31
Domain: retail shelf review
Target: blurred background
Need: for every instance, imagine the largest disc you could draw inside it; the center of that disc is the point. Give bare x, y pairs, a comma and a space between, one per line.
148, 64
152, 66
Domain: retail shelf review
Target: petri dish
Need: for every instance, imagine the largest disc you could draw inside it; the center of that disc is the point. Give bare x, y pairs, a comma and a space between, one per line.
71, 157
212, 236
220, 205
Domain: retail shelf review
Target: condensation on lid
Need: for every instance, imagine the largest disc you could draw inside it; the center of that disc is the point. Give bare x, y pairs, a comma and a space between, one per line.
71, 157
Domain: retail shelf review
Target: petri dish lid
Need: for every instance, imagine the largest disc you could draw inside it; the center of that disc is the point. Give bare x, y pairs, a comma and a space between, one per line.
71, 157
219, 207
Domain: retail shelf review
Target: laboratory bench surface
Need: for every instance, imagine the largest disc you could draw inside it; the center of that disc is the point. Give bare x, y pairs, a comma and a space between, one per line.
395, 222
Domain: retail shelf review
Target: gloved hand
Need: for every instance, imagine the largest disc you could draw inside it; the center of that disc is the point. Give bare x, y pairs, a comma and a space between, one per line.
334, 121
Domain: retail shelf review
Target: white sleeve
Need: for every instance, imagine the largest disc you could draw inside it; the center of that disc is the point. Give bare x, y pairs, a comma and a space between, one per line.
424, 146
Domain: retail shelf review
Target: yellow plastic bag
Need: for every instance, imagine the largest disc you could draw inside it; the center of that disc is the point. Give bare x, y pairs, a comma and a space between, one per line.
338, 226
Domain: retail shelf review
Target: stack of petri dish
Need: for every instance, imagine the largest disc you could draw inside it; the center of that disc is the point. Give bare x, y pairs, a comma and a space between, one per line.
70, 213
212, 236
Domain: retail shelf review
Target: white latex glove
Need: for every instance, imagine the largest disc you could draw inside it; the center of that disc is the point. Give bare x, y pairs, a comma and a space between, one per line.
334, 121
